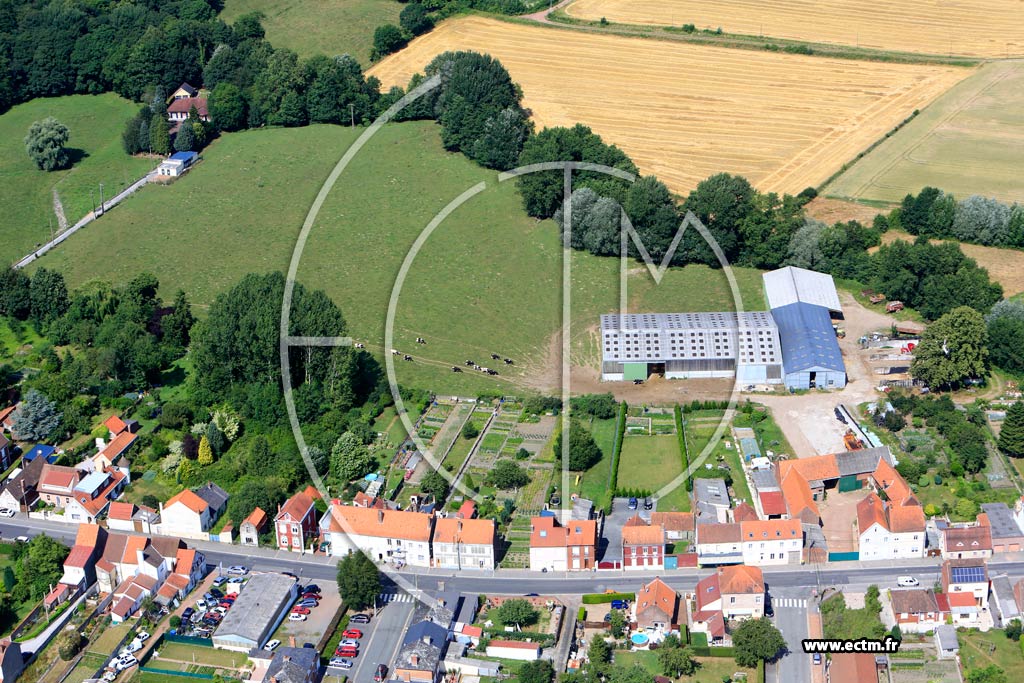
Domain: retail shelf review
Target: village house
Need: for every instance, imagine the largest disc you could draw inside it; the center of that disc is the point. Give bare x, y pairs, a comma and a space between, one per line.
186, 515
917, 610
643, 545
6, 453
732, 593
82, 499
294, 665
1006, 533
678, 526
556, 548
965, 585
12, 662
296, 523
656, 606
963, 542
888, 530
252, 526
1003, 602
7, 417
420, 655
21, 492
384, 535
132, 517
719, 544
464, 543
711, 500
775, 541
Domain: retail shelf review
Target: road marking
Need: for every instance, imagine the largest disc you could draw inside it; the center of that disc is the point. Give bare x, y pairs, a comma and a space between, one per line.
385, 598
790, 602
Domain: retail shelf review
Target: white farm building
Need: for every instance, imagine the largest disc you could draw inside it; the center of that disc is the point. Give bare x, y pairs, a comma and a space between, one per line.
793, 344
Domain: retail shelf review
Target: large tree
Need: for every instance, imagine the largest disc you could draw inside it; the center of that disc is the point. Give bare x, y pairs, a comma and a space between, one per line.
539, 671
757, 640
435, 484
1011, 435
953, 349
48, 296
506, 474
1006, 343
38, 565
350, 458
676, 661
584, 452
517, 612
227, 107
45, 143
358, 581
36, 418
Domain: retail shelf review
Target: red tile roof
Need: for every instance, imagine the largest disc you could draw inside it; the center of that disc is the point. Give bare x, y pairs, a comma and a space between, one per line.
118, 445
79, 557
656, 595
121, 511
708, 592
744, 513
772, 530
190, 500
643, 535
473, 531
514, 644
797, 493
772, 503
714, 620
88, 535
183, 105
818, 467
467, 510
296, 508
740, 578
719, 533
961, 599
871, 511
411, 526
115, 424
547, 533
853, 668
673, 521
58, 477
968, 538
258, 518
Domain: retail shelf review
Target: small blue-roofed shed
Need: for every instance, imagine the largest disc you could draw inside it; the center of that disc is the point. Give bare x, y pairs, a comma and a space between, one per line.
810, 351
749, 448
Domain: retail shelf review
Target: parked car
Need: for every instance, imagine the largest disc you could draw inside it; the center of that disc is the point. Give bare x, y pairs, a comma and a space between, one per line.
908, 581
359, 619
217, 593
7, 512
607, 617
349, 643
352, 633
21, 539
296, 617
648, 505
220, 581
309, 596
126, 662
298, 609
817, 658
109, 676
236, 580
237, 569
129, 648
309, 646
201, 605
272, 645
341, 663
381, 673
311, 588
142, 636
308, 603
347, 652
187, 614
632, 503
619, 604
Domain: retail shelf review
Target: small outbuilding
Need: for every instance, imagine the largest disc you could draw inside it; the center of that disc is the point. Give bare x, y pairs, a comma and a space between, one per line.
177, 164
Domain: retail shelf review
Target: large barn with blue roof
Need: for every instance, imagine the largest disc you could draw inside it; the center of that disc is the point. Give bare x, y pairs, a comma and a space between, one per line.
792, 344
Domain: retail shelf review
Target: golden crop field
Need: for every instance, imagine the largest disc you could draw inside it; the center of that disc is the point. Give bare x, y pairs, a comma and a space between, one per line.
977, 28
684, 112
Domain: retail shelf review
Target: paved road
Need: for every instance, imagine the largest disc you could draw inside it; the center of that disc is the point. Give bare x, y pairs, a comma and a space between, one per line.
856, 575
791, 619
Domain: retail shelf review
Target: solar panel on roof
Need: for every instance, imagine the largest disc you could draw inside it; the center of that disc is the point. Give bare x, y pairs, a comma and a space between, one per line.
967, 574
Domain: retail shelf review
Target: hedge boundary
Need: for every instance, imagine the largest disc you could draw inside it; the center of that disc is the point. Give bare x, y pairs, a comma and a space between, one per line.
604, 598
620, 432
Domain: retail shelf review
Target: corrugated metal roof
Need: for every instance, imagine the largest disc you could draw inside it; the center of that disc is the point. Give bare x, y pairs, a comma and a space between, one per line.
790, 285
807, 338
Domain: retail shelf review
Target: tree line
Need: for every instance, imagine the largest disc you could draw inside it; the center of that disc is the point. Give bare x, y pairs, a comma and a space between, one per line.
975, 219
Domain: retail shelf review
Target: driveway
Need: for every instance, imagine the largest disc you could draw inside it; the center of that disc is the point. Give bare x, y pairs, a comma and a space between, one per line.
838, 514
610, 549
791, 619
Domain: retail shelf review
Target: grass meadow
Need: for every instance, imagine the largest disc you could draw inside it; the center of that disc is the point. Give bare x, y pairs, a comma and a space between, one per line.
26, 193
486, 281
330, 27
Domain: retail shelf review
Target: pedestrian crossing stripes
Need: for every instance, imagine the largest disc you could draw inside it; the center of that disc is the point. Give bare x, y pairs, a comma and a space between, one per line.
800, 603
385, 598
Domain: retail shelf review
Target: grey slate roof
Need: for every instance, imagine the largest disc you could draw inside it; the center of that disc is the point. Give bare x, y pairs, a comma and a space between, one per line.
807, 338
764, 480
946, 636
862, 461
215, 496
1001, 520
292, 664
425, 644
1002, 591
711, 491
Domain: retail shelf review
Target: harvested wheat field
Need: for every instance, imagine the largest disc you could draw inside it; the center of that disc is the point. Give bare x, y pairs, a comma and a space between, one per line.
684, 112
969, 141
1003, 265
965, 28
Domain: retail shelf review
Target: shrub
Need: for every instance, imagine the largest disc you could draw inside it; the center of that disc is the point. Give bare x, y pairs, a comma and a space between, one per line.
470, 430
924, 481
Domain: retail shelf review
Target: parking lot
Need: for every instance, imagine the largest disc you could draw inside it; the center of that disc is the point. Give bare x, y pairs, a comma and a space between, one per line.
610, 549
317, 621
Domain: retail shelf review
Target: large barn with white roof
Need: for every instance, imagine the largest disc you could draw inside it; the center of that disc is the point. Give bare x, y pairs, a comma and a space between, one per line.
793, 344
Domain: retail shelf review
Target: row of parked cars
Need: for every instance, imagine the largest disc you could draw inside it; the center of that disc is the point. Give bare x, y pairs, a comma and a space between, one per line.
125, 658
348, 648
203, 619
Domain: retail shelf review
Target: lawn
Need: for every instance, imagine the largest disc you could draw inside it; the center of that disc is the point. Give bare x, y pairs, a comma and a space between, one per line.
21, 610
330, 27
649, 462
712, 669
110, 638
203, 656
26, 193
471, 291
978, 650
593, 483
86, 668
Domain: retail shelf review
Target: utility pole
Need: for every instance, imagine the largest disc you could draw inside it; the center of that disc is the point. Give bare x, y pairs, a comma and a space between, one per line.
102, 207
352, 113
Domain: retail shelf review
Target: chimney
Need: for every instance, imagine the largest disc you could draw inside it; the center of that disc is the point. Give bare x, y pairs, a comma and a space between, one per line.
414, 660
380, 516
286, 658
426, 640
460, 526
291, 641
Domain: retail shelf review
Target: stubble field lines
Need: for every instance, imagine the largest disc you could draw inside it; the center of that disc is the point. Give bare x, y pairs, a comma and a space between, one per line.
975, 28
685, 112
